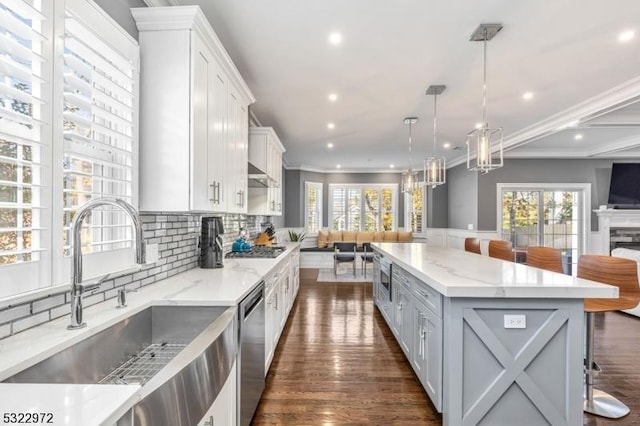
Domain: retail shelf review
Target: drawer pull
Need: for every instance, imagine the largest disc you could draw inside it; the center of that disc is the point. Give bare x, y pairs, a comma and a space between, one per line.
424, 293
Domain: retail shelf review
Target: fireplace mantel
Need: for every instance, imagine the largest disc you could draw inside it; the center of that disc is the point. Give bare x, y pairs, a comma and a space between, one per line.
614, 218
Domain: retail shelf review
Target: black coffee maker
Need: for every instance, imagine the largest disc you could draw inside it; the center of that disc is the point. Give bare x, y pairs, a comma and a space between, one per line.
211, 253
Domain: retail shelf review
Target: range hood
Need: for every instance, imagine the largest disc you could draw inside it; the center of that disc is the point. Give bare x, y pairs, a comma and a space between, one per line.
258, 178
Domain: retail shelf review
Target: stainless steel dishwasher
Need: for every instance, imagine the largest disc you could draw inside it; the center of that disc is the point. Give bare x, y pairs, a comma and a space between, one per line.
251, 354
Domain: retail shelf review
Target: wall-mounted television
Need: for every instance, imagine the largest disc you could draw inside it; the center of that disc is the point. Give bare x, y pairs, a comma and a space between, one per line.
624, 190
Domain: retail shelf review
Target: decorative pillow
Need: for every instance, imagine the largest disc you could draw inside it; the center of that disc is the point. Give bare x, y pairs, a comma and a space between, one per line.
349, 236
334, 236
390, 236
364, 237
378, 236
405, 236
323, 236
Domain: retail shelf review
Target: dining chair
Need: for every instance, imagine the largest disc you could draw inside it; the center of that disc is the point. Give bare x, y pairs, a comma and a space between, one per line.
545, 258
366, 256
344, 253
472, 245
622, 273
501, 249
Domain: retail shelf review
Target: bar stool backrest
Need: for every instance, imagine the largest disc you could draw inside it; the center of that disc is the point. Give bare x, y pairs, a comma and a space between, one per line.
501, 249
472, 245
545, 258
613, 271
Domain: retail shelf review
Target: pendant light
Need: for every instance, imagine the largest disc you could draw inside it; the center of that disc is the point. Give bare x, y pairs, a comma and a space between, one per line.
410, 178
434, 166
483, 140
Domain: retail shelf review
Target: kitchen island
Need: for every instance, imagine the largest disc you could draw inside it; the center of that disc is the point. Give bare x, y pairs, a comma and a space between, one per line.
96, 404
492, 342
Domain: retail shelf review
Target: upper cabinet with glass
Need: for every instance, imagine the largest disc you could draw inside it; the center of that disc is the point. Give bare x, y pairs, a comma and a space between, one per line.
193, 115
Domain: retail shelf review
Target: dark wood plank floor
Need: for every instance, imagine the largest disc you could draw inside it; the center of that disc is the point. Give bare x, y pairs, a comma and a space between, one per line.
338, 363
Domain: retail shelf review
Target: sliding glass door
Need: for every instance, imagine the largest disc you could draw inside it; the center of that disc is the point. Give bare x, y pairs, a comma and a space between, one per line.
545, 216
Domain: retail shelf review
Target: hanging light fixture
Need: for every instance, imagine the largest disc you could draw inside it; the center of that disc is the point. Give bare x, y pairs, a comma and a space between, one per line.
434, 166
410, 178
483, 140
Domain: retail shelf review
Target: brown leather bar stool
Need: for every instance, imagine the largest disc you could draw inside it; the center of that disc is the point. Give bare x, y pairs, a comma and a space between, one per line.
501, 249
623, 274
472, 245
545, 258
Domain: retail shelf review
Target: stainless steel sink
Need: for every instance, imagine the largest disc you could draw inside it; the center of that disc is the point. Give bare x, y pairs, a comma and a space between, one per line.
181, 355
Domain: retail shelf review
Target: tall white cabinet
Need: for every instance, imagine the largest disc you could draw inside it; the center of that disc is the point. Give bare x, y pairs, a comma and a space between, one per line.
265, 157
194, 118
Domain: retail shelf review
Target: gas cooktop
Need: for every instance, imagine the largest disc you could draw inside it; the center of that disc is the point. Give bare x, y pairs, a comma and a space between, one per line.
259, 252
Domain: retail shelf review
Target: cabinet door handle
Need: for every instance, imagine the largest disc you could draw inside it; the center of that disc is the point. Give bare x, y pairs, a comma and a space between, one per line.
213, 192
424, 293
276, 300
209, 422
420, 334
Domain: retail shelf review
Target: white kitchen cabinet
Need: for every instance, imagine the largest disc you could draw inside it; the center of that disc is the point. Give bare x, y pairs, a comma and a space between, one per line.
280, 293
223, 410
265, 158
193, 115
236, 185
270, 320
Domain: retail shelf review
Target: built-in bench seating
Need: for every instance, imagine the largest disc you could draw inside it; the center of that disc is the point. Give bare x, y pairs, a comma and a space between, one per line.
321, 256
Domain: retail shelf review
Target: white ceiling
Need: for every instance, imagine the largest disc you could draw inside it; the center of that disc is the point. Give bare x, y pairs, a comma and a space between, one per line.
566, 52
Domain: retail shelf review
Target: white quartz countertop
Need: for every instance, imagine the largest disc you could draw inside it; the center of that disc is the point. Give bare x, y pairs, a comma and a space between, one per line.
226, 286
456, 273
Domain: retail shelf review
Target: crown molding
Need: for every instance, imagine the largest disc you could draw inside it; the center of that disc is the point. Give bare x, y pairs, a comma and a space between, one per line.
307, 168
160, 3
604, 103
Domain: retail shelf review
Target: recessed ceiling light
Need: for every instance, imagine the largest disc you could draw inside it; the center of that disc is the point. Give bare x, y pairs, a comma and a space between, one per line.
527, 96
335, 38
578, 137
333, 97
447, 145
338, 166
391, 166
626, 36
331, 126
329, 145
478, 125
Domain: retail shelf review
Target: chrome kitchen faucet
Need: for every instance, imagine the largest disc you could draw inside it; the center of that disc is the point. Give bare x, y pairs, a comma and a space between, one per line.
77, 286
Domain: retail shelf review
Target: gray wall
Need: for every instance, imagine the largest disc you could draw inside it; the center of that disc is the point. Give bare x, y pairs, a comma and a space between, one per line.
595, 172
295, 179
438, 207
119, 11
462, 197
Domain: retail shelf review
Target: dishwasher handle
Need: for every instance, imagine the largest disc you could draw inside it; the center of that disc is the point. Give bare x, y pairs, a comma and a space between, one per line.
251, 302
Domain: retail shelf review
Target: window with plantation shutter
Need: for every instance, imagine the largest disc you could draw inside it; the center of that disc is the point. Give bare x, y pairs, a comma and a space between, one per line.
100, 84
370, 207
313, 207
415, 210
24, 149
68, 134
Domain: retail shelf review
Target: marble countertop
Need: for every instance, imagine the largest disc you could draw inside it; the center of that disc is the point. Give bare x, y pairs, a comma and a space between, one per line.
226, 286
456, 273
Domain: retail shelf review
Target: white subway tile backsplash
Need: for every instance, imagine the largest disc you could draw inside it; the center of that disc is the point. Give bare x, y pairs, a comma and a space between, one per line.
48, 303
30, 321
5, 330
177, 236
10, 314
61, 311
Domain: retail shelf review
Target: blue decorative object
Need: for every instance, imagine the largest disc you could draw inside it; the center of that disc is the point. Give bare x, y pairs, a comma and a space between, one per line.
240, 245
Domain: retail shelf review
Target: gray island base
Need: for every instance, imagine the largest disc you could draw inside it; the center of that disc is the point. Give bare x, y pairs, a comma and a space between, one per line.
492, 342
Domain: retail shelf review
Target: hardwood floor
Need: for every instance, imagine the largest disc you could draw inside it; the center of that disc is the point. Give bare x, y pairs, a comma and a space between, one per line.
338, 363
